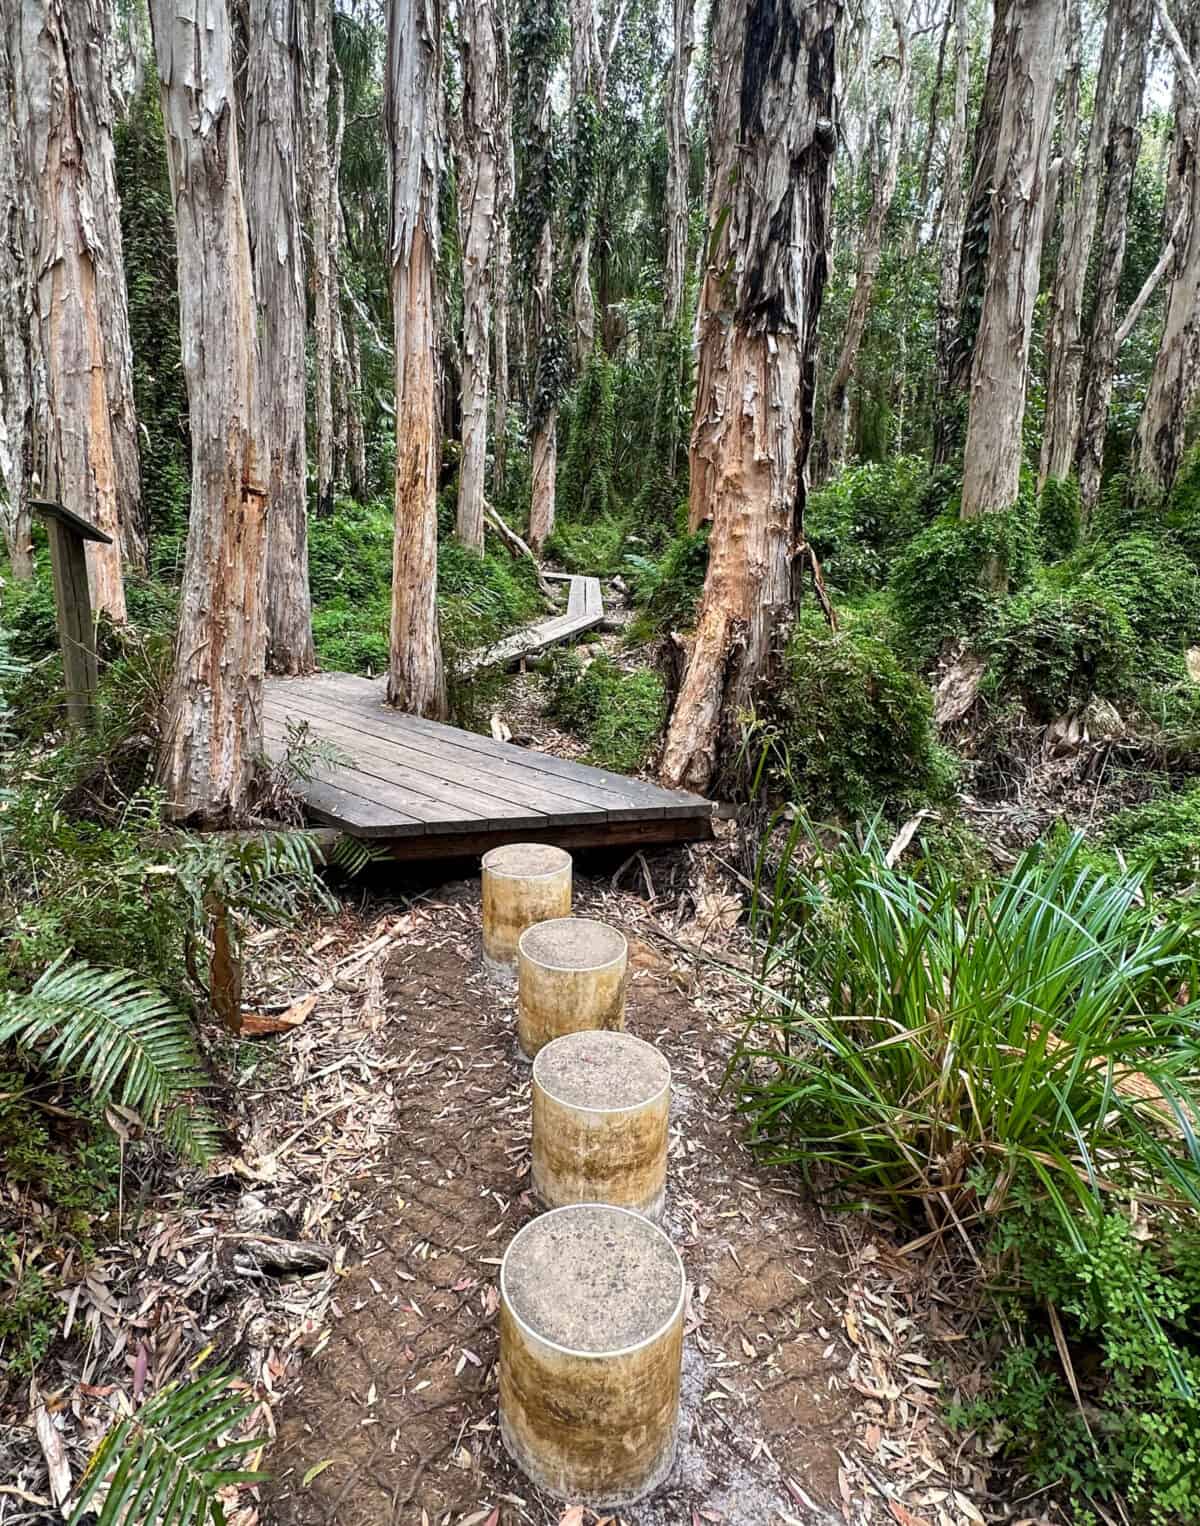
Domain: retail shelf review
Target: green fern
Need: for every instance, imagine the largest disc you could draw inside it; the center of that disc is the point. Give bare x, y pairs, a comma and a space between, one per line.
125, 1039
171, 1458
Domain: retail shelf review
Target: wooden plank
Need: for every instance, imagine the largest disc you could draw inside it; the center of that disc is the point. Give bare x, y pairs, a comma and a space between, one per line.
73, 608
576, 599
659, 830
337, 807
377, 738
593, 603
441, 805
647, 798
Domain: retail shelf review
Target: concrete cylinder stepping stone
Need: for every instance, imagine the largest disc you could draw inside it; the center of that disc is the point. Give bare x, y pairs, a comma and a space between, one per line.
591, 1342
570, 976
523, 883
601, 1103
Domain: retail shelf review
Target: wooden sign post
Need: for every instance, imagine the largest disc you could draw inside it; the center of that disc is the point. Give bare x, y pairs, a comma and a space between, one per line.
68, 534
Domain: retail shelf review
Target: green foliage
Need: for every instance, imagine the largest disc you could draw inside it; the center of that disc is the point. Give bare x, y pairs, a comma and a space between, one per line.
1162, 835
1159, 590
620, 713
948, 581
166, 1463
585, 480
480, 599
858, 522
667, 588
928, 1041
1129, 1306
350, 552
1058, 517
852, 727
1058, 643
593, 547
124, 1040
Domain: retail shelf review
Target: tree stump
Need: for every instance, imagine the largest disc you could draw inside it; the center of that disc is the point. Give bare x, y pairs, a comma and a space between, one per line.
523, 883
591, 1343
601, 1103
570, 976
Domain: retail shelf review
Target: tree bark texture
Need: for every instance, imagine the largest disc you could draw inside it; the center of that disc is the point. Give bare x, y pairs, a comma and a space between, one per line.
72, 250
479, 183
586, 90
1080, 199
275, 173
1120, 161
830, 450
1175, 379
678, 160
502, 250
412, 108
324, 273
16, 379
213, 732
544, 448
999, 371
953, 206
773, 140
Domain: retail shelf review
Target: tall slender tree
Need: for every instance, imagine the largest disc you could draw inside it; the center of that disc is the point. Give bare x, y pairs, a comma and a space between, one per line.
773, 139
213, 727
502, 257
275, 172
16, 380
678, 159
1000, 368
321, 215
480, 179
953, 204
413, 105
75, 258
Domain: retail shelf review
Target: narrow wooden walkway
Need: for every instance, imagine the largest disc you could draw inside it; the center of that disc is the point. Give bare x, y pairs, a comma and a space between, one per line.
432, 791
585, 610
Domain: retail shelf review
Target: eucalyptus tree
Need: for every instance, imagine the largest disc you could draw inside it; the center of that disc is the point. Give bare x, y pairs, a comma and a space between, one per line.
78, 282
413, 84
1120, 161
274, 177
502, 247
1000, 366
678, 160
953, 209
323, 227
481, 191
1175, 378
773, 137
213, 722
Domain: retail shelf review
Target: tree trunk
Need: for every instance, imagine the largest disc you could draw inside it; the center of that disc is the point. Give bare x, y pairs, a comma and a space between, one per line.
69, 164
545, 405
678, 161
275, 168
323, 276
1175, 379
999, 372
584, 115
830, 450
479, 185
1064, 351
953, 208
954, 368
213, 732
773, 139
412, 108
1121, 156
356, 442
16, 382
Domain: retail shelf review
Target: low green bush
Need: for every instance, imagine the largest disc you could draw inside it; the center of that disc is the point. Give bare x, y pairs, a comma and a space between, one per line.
667, 588
350, 552
1058, 517
1058, 643
860, 520
1162, 835
619, 712
593, 547
851, 727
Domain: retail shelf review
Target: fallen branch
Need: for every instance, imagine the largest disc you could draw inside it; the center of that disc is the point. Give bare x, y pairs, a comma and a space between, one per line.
517, 547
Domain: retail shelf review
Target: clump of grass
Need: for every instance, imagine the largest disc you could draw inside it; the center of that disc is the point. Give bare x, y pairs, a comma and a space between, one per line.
619, 713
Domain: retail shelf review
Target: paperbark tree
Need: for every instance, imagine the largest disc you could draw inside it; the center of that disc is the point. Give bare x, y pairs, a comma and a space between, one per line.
413, 85
1080, 199
78, 281
213, 731
584, 118
16, 383
1124, 144
1000, 369
773, 140
321, 216
502, 258
678, 159
1175, 378
953, 202
275, 170
479, 182
831, 447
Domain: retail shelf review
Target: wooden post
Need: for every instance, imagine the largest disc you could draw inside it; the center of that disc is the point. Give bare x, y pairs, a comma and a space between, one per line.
570, 976
68, 535
523, 883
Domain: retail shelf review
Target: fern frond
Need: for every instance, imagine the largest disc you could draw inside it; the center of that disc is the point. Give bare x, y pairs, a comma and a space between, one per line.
125, 1039
351, 855
166, 1463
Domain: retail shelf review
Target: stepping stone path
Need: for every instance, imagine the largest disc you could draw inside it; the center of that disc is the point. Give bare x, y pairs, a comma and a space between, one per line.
523, 883
570, 977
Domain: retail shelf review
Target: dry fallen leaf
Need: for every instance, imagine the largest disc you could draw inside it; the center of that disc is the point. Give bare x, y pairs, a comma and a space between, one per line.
51, 1442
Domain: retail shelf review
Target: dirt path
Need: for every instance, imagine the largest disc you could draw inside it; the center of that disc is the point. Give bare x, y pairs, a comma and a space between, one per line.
806, 1388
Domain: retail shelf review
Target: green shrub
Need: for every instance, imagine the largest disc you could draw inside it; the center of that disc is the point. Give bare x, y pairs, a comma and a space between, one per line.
588, 421
667, 589
1055, 645
1129, 1309
1058, 517
1157, 586
28, 612
852, 727
857, 522
944, 585
620, 713
593, 547
1162, 835
350, 552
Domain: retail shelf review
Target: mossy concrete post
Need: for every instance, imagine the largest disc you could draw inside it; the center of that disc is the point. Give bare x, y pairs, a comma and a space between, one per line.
523, 883
591, 1348
601, 1106
570, 976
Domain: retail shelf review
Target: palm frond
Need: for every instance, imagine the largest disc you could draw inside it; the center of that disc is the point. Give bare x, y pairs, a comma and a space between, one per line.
167, 1462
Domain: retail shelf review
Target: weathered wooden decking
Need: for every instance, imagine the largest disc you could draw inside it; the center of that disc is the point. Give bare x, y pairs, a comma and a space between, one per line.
585, 610
432, 791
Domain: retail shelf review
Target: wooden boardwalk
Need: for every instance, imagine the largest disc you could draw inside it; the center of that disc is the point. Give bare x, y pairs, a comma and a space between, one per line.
585, 610
432, 791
